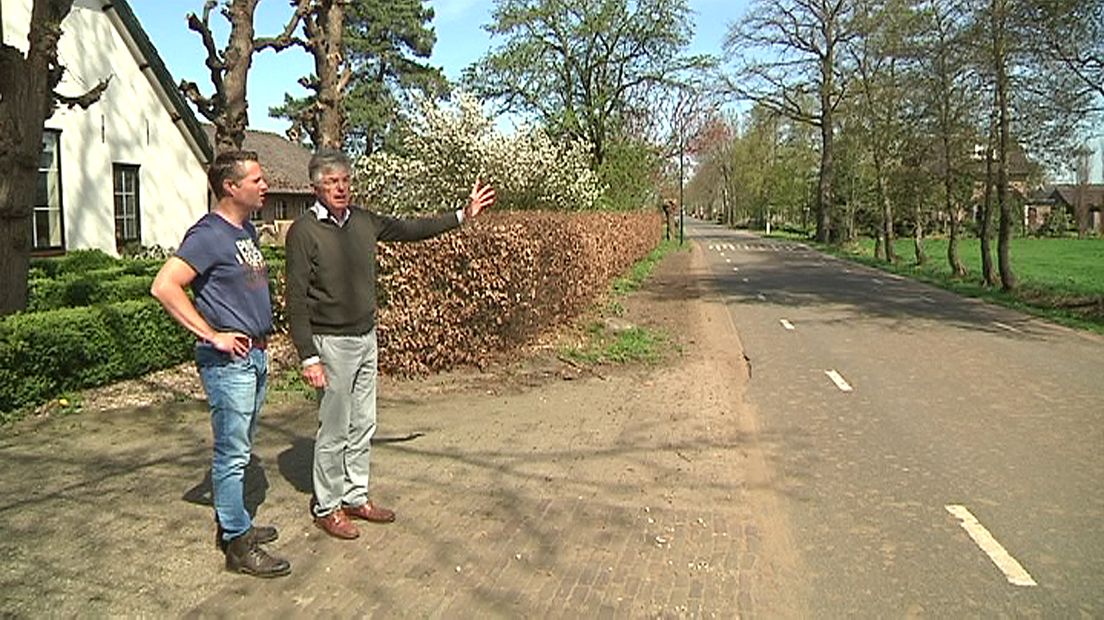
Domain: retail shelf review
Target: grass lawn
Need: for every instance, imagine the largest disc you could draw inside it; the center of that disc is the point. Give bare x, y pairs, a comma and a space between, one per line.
1059, 279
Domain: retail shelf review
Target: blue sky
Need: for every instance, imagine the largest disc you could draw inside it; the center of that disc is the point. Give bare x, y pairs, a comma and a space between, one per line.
461, 40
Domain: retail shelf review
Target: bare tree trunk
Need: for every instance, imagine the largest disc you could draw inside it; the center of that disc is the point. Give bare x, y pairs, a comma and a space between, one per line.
886, 232
324, 122
958, 270
23, 95
825, 196
27, 99
918, 232
988, 272
1004, 239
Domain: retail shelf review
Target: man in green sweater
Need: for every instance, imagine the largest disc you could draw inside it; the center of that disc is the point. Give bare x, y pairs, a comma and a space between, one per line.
331, 310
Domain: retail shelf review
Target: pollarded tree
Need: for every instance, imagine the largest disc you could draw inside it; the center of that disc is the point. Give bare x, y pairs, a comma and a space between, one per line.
788, 50
582, 67
28, 96
228, 108
386, 45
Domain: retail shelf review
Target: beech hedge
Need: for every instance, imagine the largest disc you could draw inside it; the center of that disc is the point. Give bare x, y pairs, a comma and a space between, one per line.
463, 298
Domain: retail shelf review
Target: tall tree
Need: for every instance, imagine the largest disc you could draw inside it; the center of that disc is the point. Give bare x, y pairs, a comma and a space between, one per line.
28, 97
878, 56
789, 49
228, 108
583, 66
386, 45
999, 19
945, 87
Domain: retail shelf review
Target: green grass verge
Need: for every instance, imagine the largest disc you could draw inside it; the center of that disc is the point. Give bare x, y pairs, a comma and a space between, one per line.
602, 345
1061, 280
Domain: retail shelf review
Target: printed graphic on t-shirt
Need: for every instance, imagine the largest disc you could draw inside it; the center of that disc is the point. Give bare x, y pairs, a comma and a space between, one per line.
250, 257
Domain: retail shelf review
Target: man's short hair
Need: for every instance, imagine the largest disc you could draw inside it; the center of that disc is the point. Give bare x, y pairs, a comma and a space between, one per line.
325, 161
228, 167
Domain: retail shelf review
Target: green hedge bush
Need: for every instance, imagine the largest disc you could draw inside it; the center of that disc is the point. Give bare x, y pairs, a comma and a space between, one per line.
95, 287
43, 354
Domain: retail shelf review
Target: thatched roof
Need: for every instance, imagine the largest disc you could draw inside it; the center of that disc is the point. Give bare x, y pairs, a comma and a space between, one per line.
1092, 194
284, 162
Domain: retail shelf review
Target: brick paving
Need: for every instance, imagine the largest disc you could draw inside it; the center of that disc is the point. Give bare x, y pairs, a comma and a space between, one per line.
628, 495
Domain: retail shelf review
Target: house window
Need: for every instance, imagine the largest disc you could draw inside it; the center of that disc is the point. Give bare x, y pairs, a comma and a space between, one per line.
46, 224
127, 220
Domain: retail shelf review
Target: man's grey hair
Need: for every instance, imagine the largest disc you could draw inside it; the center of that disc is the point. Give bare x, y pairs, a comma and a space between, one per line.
325, 161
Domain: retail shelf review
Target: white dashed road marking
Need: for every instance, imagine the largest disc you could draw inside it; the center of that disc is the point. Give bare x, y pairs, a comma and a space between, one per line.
1006, 327
788, 325
838, 380
1008, 565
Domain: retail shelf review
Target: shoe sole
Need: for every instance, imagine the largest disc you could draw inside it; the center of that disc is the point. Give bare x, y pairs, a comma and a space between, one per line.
245, 571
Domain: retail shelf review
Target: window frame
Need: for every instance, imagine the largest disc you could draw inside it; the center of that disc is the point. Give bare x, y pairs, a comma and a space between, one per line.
121, 171
36, 209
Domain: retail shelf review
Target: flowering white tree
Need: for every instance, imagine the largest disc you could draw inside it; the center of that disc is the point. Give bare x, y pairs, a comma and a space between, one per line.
448, 146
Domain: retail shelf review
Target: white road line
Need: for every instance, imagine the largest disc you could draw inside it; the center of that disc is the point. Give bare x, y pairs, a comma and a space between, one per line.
1007, 327
877, 281
1012, 569
788, 325
760, 297
838, 380
927, 299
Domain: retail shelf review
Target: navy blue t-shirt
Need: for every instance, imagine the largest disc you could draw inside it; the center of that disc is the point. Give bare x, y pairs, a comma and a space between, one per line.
231, 285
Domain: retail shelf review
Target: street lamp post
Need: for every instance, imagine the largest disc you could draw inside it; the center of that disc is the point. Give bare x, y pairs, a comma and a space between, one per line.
682, 155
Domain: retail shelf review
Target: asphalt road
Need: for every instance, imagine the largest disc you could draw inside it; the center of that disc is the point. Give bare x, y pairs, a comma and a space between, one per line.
940, 411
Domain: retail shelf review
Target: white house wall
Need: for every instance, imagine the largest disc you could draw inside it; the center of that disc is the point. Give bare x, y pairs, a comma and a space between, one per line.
128, 125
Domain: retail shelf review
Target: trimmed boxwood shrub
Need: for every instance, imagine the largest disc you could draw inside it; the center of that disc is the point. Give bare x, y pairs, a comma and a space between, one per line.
70, 291
74, 261
43, 354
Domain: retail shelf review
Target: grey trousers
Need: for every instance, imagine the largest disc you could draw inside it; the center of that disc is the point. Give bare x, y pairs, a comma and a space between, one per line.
347, 421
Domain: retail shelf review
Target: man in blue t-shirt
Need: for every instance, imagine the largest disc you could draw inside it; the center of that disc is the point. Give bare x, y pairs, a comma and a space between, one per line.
231, 318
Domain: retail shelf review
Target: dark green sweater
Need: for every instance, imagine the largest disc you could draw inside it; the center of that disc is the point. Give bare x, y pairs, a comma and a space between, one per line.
331, 271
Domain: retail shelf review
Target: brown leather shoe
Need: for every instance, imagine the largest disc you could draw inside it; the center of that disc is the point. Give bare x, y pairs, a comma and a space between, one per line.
338, 525
370, 512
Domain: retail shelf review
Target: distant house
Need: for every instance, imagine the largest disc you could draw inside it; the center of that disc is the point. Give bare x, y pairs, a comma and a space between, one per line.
285, 166
1086, 198
129, 170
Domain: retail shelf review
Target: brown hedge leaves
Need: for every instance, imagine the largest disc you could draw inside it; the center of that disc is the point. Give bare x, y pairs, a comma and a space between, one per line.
485, 290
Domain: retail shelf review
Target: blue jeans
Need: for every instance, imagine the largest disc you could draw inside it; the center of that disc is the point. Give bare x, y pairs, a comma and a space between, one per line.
235, 389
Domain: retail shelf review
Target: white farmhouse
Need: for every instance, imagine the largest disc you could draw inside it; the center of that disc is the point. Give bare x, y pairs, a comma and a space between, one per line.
129, 170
